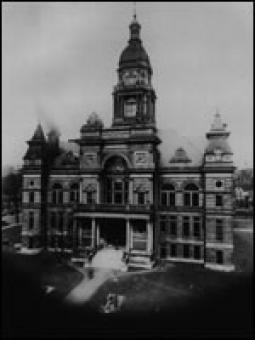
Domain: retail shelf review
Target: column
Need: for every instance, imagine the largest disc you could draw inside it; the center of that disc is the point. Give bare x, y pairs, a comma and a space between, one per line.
149, 237
130, 189
98, 188
80, 192
128, 246
97, 234
74, 236
93, 231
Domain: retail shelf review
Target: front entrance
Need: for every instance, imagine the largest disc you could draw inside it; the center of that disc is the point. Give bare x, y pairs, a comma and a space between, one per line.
113, 232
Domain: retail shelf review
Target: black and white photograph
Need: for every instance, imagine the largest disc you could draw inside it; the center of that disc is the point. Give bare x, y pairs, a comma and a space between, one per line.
127, 170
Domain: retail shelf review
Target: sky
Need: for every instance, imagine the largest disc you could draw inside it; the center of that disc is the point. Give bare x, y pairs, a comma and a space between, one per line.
59, 63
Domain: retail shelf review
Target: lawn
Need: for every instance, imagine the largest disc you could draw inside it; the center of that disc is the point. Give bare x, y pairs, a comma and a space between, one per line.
48, 270
243, 250
157, 290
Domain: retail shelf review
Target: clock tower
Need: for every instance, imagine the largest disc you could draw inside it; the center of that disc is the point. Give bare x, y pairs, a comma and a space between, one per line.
134, 97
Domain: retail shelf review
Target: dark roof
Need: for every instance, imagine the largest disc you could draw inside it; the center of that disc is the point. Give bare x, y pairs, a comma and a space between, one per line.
134, 55
38, 134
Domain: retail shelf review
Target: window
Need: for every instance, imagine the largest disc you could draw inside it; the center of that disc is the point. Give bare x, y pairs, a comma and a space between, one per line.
163, 251
196, 226
60, 221
53, 220
31, 221
57, 194
141, 197
173, 225
163, 224
89, 197
219, 229
85, 233
186, 248
173, 250
185, 230
191, 196
197, 252
218, 184
74, 192
130, 108
219, 256
31, 197
168, 195
219, 201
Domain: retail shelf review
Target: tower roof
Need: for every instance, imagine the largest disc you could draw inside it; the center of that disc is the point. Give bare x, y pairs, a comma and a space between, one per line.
134, 55
38, 134
218, 128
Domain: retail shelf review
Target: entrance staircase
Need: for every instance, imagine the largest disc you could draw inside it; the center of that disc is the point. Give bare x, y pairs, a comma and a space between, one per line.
139, 261
109, 258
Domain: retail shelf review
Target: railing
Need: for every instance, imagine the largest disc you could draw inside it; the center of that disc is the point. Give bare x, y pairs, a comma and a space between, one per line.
180, 208
114, 207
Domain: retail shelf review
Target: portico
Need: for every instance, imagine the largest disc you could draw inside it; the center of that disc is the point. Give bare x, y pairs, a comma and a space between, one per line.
132, 232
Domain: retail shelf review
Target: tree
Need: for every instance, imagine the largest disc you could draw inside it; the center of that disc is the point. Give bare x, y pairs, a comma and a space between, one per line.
11, 191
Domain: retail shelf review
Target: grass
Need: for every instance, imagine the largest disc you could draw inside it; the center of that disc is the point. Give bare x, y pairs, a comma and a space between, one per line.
49, 270
243, 251
154, 291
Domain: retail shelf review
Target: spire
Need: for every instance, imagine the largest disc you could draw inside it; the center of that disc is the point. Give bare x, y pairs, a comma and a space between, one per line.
134, 16
38, 134
134, 27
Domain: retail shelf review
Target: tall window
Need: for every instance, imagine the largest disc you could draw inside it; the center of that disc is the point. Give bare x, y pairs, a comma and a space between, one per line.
196, 226
31, 220
219, 229
168, 195
197, 252
173, 250
191, 196
57, 193
218, 201
60, 221
53, 220
31, 197
219, 256
74, 192
116, 181
186, 226
173, 225
90, 197
130, 108
186, 250
163, 251
141, 198
163, 224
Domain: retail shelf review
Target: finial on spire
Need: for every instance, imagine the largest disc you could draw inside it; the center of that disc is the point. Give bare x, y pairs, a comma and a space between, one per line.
134, 15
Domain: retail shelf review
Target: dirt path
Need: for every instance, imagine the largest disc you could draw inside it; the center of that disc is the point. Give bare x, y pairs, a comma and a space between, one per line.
88, 287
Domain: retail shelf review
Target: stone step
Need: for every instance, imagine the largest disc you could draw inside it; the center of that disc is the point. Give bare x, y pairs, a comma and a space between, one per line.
140, 265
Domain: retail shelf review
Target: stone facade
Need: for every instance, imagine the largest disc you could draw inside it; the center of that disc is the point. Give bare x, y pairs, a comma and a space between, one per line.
118, 188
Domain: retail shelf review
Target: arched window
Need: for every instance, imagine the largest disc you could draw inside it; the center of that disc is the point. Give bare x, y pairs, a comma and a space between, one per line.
168, 195
116, 181
57, 193
74, 192
191, 197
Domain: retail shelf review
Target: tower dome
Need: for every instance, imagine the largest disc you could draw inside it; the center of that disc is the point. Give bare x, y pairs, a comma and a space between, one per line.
134, 55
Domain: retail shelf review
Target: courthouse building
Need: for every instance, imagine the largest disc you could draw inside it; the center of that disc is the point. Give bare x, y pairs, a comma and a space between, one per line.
125, 186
